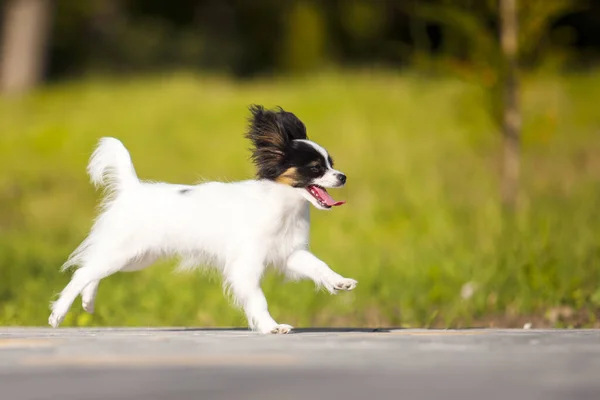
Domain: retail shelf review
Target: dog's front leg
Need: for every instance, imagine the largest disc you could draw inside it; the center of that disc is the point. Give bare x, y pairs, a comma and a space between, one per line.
304, 264
244, 283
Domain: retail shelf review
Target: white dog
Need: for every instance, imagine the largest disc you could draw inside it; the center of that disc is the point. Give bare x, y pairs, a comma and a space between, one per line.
239, 227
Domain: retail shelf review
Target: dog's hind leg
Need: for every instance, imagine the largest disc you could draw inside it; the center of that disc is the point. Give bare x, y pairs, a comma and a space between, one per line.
81, 278
91, 272
88, 294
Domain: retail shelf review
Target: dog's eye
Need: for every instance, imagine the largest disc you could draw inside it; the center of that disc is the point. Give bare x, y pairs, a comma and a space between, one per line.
314, 169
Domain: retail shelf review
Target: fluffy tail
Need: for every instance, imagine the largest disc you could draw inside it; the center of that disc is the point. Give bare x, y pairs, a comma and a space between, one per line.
111, 167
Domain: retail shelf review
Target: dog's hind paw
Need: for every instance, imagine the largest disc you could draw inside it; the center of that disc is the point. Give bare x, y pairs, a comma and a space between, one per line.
88, 306
54, 320
345, 284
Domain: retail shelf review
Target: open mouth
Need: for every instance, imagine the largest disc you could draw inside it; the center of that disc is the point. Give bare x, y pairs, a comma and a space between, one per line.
323, 198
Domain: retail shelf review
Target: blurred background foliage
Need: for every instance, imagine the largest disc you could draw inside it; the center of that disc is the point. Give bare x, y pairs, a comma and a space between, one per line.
249, 38
408, 97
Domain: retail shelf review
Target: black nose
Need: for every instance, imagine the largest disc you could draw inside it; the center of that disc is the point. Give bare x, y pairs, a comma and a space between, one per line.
341, 178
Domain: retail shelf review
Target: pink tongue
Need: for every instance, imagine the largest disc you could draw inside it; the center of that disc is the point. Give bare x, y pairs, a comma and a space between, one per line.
327, 199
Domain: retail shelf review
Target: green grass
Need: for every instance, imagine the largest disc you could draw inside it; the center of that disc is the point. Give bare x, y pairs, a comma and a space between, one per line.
422, 223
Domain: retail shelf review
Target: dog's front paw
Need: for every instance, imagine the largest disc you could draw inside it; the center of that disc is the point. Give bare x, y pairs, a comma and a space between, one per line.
345, 284
279, 329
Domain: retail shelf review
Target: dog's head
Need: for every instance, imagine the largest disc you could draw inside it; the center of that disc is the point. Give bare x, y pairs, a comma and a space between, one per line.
282, 153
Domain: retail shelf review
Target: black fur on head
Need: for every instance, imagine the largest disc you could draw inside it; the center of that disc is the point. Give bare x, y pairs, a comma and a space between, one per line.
272, 133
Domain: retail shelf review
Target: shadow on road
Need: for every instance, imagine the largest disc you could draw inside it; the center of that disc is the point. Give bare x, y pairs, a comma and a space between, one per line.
311, 330
296, 330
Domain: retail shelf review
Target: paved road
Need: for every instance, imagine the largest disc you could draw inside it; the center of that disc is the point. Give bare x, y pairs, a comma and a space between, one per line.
178, 364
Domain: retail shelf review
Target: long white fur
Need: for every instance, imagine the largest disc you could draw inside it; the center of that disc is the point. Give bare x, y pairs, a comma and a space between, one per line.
238, 228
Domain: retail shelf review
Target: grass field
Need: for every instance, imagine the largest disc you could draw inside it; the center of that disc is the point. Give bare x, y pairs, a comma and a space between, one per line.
422, 232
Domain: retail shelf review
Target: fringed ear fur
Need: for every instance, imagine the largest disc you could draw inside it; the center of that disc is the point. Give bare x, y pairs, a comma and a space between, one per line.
271, 133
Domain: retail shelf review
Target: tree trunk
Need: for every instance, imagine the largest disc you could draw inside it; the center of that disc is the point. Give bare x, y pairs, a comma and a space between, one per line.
511, 118
24, 39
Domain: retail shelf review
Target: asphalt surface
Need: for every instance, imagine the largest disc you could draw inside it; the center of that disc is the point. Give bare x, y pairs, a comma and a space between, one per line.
177, 364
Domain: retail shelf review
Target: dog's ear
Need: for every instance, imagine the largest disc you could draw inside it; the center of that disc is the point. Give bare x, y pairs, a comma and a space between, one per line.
271, 134
293, 127
265, 129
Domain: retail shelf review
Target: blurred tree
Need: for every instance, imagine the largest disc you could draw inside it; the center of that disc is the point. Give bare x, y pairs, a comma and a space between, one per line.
471, 27
303, 45
511, 122
24, 39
